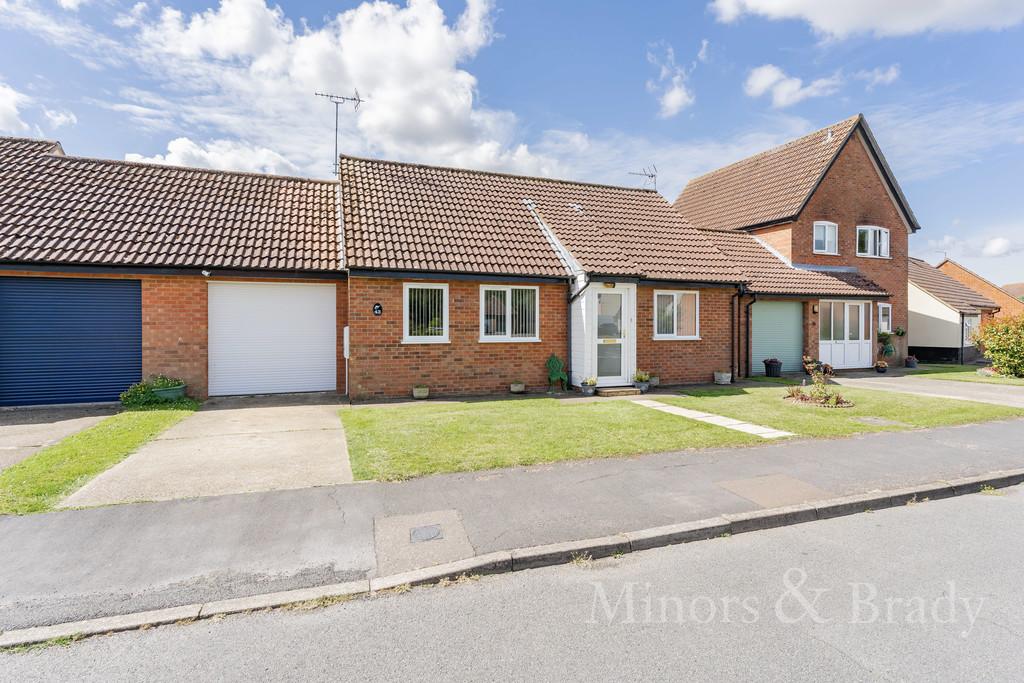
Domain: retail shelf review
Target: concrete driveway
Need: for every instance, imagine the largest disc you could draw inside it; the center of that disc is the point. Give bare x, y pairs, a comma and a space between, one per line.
23, 431
232, 445
1003, 395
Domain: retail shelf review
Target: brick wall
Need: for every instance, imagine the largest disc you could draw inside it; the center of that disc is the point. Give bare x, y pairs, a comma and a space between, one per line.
779, 238
1008, 305
852, 194
174, 323
381, 366
685, 361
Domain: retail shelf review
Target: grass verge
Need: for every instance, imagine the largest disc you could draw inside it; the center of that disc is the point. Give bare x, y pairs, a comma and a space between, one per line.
39, 482
874, 411
399, 442
962, 373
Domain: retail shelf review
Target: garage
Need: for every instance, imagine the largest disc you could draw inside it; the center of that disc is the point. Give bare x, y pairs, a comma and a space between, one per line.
777, 331
68, 340
271, 338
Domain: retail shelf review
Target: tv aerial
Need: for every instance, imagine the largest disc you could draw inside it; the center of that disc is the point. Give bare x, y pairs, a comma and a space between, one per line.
649, 173
339, 100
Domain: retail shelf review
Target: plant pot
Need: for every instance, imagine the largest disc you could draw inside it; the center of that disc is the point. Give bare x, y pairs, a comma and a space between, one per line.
170, 393
773, 369
517, 388
723, 377
911, 363
655, 380
881, 371
644, 387
420, 392
588, 389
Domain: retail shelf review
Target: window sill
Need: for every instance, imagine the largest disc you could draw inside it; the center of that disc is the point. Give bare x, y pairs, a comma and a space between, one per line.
422, 340
826, 253
881, 258
509, 340
672, 337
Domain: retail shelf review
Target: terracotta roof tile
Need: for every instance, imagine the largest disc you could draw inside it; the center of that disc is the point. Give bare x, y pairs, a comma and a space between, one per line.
402, 216
72, 210
768, 274
953, 293
767, 187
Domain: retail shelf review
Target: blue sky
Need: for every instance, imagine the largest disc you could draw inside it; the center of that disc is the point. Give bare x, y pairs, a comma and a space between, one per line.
586, 90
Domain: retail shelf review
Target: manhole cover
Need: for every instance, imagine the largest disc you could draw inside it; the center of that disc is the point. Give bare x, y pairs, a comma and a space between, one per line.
430, 532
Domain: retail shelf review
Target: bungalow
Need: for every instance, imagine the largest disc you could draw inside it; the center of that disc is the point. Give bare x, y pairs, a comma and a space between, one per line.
397, 274
944, 315
1009, 305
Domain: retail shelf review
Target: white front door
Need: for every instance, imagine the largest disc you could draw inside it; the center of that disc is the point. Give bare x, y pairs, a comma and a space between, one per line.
845, 331
614, 324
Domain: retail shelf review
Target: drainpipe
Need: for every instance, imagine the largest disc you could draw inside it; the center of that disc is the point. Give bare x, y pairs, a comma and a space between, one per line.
748, 346
568, 325
961, 339
734, 312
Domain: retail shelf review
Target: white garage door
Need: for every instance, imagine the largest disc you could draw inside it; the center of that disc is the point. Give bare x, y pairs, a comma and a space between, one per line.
269, 338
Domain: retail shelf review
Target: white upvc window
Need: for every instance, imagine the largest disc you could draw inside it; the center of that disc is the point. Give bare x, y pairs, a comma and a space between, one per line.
971, 325
676, 314
826, 238
885, 317
424, 313
509, 314
872, 241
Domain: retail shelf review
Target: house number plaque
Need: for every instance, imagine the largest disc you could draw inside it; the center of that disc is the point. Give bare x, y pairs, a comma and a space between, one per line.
378, 309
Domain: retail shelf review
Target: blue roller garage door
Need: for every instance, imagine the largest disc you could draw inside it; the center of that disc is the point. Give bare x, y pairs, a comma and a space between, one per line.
68, 340
777, 331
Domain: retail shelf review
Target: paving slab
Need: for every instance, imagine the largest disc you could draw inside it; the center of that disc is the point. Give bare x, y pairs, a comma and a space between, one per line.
231, 446
25, 431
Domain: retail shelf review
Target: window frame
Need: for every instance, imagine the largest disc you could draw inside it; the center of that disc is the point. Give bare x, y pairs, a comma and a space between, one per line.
835, 233
410, 339
874, 231
507, 337
887, 307
675, 294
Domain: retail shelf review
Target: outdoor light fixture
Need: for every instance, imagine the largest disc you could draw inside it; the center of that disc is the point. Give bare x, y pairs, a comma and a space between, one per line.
814, 308
609, 285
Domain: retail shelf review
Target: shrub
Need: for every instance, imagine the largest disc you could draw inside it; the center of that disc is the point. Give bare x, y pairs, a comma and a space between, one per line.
1002, 341
140, 394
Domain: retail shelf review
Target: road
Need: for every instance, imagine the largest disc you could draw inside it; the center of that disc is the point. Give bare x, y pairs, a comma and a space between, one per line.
922, 592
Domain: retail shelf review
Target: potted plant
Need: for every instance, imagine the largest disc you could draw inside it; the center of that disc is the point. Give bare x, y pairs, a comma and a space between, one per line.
588, 386
773, 367
900, 332
420, 391
881, 366
167, 388
642, 381
655, 380
517, 387
885, 340
723, 377
911, 361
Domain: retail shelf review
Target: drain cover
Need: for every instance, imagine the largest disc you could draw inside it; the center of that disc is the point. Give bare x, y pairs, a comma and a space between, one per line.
421, 534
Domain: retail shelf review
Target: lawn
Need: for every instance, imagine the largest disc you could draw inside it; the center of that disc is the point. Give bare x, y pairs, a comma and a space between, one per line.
398, 442
962, 373
872, 411
39, 482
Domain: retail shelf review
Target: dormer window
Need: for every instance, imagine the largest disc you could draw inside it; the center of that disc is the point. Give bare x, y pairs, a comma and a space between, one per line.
826, 238
872, 241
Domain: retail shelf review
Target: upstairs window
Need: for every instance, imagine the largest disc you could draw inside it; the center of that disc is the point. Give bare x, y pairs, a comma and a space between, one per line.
872, 242
826, 238
509, 314
424, 313
676, 315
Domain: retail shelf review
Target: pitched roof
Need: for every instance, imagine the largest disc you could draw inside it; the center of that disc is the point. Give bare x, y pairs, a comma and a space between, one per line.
773, 186
1006, 300
1015, 289
951, 292
70, 210
769, 274
401, 216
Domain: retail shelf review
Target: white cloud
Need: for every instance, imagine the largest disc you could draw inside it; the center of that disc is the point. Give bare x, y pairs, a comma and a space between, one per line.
880, 17
786, 90
879, 76
670, 86
219, 154
58, 118
11, 104
132, 17
978, 247
71, 5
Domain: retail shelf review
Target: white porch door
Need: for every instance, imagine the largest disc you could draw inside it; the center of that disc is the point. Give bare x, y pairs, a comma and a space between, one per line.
615, 350
846, 334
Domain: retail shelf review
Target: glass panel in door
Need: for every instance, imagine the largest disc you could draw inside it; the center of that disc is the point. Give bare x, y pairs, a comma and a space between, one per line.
609, 334
855, 317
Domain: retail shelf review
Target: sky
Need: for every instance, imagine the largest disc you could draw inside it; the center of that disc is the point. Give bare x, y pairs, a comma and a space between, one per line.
590, 90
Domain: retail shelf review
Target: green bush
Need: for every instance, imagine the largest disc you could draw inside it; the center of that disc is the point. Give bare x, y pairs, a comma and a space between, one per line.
1002, 341
141, 394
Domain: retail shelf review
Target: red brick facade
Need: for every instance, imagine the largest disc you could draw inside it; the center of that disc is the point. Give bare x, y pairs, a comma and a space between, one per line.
685, 361
1009, 305
852, 193
381, 366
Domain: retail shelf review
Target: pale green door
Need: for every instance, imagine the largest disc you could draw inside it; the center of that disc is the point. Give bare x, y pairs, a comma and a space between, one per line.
777, 331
